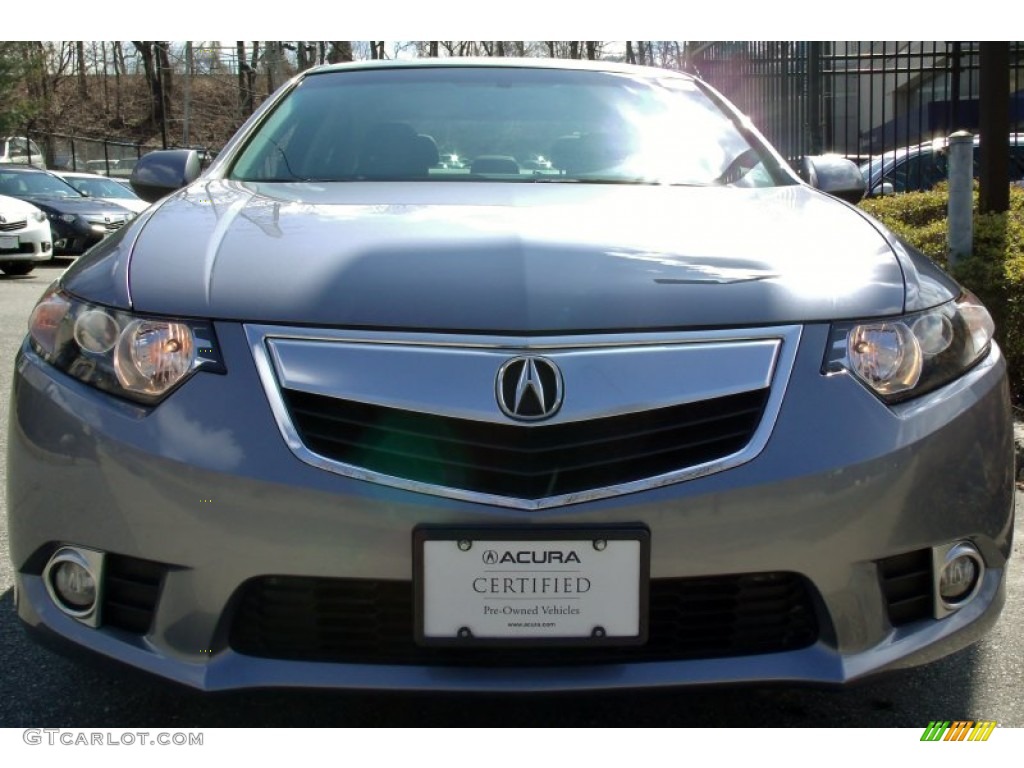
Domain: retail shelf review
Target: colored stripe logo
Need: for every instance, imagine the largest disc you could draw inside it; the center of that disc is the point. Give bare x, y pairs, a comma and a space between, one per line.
958, 730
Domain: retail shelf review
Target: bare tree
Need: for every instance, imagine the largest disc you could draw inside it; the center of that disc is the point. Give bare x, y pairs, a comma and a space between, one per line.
157, 68
341, 50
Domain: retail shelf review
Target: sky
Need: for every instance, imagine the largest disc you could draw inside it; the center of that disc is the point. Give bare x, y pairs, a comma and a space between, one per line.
518, 20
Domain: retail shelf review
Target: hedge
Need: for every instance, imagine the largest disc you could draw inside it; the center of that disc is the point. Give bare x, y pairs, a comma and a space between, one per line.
994, 271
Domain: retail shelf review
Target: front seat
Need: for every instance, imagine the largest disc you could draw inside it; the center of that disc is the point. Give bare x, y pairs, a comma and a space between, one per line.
395, 151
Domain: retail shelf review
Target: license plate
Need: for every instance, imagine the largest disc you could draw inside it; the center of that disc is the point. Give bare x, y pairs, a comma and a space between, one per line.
9, 243
494, 586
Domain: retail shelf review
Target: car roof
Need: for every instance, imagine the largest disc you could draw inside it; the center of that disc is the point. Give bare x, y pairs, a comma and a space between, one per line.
499, 62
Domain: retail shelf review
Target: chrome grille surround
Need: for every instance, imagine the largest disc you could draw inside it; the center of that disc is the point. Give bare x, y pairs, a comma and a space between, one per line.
294, 357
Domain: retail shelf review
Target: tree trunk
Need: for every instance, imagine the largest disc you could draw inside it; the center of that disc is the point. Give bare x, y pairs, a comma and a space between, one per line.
551, 48
118, 71
591, 49
106, 90
432, 50
83, 91
243, 67
272, 55
501, 48
574, 49
630, 56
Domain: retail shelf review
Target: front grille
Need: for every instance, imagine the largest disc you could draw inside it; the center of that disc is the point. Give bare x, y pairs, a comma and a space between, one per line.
10, 226
528, 462
371, 622
131, 588
908, 587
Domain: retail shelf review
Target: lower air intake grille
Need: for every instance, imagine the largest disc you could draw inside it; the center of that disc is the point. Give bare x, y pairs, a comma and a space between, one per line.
371, 622
131, 588
907, 586
527, 462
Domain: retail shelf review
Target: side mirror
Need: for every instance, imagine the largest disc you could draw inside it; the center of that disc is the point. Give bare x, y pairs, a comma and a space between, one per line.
157, 174
835, 175
885, 188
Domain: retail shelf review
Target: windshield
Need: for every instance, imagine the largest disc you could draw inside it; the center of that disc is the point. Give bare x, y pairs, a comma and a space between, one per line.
502, 124
101, 188
22, 184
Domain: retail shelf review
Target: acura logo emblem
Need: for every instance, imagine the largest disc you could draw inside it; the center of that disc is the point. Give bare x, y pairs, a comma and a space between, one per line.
490, 557
529, 388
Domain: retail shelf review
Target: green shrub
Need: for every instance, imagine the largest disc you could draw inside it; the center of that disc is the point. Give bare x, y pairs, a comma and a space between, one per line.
994, 271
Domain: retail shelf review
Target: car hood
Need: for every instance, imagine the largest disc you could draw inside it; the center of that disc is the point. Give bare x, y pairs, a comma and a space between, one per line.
504, 258
12, 207
80, 206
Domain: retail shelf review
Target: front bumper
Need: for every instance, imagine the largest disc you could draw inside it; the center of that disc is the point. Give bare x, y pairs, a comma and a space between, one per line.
34, 243
205, 484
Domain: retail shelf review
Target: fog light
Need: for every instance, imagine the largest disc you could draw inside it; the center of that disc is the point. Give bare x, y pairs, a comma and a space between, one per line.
72, 580
960, 575
74, 585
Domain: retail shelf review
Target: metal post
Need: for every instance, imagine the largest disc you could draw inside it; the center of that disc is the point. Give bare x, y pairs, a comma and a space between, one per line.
954, 118
814, 97
994, 172
961, 196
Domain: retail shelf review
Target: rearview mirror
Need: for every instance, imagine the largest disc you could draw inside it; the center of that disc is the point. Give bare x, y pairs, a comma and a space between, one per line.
835, 175
157, 174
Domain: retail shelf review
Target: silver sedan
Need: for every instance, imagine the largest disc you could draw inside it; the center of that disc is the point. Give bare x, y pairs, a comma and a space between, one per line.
657, 412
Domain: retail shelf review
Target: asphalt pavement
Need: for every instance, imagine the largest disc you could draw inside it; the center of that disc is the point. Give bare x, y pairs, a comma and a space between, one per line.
43, 690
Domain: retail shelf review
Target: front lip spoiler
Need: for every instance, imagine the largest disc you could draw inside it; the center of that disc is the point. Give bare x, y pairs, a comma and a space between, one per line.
819, 664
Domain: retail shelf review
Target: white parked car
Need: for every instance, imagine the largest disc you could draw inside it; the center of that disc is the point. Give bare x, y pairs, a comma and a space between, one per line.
22, 150
25, 237
104, 188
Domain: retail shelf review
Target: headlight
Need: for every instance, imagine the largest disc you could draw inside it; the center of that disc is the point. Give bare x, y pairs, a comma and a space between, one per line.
904, 357
140, 358
68, 217
38, 215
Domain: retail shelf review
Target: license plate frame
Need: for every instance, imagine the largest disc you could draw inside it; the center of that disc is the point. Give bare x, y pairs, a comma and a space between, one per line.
628, 545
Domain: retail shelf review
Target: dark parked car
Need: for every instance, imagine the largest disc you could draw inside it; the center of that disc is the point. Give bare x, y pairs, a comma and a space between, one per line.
921, 167
77, 221
661, 414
